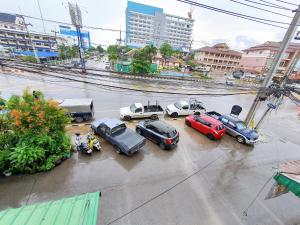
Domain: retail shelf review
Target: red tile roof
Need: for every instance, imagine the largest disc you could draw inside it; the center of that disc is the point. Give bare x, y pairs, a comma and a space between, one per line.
272, 45
216, 50
291, 170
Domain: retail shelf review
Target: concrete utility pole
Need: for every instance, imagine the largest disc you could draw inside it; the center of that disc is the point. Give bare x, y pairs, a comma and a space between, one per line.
38, 3
283, 46
291, 68
76, 19
30, 40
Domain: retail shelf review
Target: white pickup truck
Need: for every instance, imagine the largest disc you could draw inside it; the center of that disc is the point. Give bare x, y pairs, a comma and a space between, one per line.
184, 108
137, 110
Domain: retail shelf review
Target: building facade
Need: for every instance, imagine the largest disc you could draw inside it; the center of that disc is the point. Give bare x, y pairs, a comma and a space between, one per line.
218, 57
258, 58
150, 25
15, 38
70, 36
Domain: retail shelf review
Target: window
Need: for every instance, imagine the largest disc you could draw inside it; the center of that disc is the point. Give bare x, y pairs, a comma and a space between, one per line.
117, 129
231, 124
224, 120
102, 128
241, 126
138, 110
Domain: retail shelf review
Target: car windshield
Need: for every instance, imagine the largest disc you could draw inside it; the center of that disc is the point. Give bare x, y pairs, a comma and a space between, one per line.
241, 126
172, 133
180, 104
133, 108
118, 129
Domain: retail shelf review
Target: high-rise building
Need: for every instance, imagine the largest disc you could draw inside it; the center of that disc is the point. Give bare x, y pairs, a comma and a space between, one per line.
150, 25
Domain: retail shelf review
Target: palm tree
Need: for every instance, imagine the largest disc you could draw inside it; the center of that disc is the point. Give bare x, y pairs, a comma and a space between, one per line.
150, 52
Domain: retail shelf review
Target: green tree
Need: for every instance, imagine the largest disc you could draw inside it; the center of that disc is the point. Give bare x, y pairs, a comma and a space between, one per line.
150, 51
166, 50
29, 58
192, 64
66, 52
100, 49
32, 134
141, 63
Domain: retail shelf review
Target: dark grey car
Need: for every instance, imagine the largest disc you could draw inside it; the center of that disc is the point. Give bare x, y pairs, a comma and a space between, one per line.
122, 138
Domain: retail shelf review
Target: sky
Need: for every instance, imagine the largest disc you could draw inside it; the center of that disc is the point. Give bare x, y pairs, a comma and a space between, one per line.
209, 27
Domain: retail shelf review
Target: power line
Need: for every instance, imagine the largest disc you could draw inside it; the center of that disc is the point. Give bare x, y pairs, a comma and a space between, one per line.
251, 18
269, 4
260, 8
69, 24
286, 2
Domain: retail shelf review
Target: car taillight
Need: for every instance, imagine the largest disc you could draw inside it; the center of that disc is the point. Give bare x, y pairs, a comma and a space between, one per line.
168, 141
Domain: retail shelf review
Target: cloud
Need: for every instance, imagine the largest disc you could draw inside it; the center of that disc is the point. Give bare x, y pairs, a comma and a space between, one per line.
242, 42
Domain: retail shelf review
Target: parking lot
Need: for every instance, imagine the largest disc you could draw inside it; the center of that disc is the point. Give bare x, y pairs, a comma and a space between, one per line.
199, 182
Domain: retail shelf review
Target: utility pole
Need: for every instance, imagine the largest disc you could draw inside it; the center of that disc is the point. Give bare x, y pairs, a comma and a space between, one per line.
290, 69
30, 40
76, 19
38, 3
283, 46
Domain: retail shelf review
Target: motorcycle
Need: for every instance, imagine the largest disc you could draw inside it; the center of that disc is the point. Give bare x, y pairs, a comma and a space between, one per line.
93, 142
82, 146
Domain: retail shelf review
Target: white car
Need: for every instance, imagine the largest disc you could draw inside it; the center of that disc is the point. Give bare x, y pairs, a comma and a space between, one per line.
137, 110
184, 108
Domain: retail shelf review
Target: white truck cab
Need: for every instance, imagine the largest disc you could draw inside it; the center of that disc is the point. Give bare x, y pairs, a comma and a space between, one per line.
138, 110
184, 108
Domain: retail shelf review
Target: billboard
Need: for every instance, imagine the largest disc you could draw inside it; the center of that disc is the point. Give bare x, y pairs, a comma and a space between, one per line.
71, 35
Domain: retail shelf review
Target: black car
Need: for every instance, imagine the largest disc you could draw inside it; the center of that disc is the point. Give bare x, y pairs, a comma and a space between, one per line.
159, 132
122, 138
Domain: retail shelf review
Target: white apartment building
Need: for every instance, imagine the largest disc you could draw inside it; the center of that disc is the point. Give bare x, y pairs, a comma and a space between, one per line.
150, 25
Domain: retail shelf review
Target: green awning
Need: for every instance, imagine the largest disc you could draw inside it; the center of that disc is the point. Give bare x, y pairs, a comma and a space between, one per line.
290, 184
77, 210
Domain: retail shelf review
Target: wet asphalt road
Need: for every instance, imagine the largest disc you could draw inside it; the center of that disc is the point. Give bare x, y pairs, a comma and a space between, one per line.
226, 175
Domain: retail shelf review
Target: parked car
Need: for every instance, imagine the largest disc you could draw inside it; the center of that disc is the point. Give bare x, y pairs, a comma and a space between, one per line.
209, 126
229, 81
80, 109
116, 133
236, 128
137, 110
184, 108
159, 132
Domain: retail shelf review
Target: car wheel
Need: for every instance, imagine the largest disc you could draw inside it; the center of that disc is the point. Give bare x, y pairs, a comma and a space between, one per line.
139, 131
240, 139
210, 136
127, 118
118, 150
78, 119
154, 117
188, 123
162, 145
174, 114
197, 113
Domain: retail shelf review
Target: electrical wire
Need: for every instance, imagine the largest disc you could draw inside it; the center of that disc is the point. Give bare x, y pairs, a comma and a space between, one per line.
233, 13
289, 3
164, 192
269, 4
251, 18
265, 10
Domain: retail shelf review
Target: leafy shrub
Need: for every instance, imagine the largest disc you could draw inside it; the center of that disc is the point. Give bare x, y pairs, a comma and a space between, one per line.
32, 134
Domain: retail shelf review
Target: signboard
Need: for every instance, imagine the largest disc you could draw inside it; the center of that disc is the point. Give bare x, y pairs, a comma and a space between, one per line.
75, 14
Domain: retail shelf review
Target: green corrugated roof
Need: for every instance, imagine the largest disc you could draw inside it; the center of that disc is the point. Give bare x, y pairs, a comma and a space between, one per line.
290, 184
77, 210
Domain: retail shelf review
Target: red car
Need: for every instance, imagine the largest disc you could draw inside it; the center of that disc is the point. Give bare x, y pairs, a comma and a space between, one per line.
211, 127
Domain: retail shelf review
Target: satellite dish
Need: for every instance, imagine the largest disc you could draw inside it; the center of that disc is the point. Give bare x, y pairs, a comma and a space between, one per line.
236, 110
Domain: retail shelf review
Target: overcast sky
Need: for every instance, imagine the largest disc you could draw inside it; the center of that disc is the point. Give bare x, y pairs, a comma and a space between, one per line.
209, 27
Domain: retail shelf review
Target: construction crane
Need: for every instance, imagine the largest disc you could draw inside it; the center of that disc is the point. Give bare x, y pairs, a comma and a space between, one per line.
192, 8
